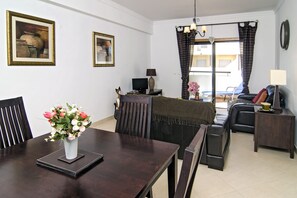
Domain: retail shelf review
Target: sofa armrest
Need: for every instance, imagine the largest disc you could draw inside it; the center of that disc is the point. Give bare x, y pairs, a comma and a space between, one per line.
246, 96
238, 108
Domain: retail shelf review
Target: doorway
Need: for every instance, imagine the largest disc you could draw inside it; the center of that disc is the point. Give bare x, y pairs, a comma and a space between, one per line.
216, 68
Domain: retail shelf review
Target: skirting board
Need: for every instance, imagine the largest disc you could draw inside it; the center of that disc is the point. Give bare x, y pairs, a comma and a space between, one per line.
95, 124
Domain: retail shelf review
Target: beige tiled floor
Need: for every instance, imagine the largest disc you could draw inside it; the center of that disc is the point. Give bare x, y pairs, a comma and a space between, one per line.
268, 173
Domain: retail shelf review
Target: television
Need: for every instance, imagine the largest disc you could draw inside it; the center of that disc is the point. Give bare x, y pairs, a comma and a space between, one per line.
139, 84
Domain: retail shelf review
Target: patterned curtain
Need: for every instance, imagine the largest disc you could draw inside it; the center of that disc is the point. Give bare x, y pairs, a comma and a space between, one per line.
247, 35
185, 42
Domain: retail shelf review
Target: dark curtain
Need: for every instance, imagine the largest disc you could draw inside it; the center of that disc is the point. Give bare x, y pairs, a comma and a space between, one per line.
185, 42
247, 34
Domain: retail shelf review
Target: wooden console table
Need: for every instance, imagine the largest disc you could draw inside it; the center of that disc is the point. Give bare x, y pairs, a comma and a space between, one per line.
275, 130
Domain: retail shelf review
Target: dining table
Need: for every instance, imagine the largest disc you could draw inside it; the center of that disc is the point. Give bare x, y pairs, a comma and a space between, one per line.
129, 168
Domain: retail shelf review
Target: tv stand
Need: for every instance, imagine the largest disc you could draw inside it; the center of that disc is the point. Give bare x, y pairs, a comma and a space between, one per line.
147, 92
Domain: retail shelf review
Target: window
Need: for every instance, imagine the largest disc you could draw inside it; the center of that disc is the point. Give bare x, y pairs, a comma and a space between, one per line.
224, 73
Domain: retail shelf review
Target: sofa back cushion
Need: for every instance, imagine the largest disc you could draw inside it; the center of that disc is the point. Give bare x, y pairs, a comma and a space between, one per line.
256, 98
270, 92
179, 111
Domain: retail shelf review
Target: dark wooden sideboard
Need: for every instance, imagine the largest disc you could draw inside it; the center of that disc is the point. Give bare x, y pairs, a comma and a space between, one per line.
275, 130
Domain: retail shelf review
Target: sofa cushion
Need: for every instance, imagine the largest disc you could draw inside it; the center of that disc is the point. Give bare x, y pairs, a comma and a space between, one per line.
258, 95
262, 97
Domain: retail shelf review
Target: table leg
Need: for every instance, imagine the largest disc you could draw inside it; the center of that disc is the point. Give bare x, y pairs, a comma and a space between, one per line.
291, 150
172, 176
256, 141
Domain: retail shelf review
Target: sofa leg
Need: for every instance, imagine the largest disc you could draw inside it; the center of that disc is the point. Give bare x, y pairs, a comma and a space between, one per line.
233, 131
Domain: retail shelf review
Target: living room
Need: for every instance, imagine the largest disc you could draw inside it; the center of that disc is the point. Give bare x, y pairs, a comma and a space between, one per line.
142, 42
139, 44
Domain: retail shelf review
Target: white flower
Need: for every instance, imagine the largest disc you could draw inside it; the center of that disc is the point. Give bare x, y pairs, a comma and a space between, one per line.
85, 123
82, 128
71, 137
53, 131
78, 125
63, 132
73, 108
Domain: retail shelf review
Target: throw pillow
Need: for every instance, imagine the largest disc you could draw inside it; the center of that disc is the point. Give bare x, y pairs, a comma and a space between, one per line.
262, 98
258, 95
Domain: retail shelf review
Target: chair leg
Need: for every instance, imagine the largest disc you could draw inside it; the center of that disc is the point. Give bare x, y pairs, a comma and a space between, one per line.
150, 194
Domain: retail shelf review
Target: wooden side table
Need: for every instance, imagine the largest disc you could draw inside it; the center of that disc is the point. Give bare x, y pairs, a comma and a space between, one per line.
275, 130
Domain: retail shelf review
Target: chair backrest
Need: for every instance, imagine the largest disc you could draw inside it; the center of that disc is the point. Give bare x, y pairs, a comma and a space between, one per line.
14, 125
239, 89
191, 160
135, 115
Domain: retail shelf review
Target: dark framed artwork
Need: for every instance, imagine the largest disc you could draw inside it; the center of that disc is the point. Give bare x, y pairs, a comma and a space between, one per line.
103, 50
30, 40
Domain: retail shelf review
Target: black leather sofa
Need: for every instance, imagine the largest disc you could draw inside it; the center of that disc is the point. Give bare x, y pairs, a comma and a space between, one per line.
241, 111
177, 121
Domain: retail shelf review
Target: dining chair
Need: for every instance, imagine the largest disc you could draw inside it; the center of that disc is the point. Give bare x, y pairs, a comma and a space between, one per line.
134, 118
191, 160
14, 125
135, 115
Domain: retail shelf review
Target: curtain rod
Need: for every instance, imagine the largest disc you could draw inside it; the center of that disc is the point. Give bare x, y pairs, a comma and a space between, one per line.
227, 23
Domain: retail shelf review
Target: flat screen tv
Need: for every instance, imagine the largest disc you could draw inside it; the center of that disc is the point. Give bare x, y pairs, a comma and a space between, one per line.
139, 84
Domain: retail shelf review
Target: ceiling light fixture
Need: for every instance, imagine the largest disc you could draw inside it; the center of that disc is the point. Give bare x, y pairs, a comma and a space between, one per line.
194, 25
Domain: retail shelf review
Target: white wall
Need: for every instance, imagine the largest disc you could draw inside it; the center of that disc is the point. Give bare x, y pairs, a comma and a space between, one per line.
109, 11
287, 59
73, 79
165, 51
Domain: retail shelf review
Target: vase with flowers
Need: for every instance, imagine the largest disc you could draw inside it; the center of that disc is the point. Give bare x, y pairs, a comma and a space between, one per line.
67, 125
193, 90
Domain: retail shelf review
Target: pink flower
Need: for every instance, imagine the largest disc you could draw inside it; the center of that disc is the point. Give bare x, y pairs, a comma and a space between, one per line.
62, 114
48, 115
193, 87
83, 115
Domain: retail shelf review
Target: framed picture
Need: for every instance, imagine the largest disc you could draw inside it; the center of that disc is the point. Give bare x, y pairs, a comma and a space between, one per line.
103, 50
30, 40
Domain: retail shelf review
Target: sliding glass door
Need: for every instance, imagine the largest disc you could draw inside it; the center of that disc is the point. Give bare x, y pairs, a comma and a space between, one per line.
216, 68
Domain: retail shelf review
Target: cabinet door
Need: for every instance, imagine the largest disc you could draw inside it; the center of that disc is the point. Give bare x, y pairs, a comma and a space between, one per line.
274, 130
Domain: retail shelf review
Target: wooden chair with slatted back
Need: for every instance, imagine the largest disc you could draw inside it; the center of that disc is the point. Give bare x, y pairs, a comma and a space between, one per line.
135, 115
191, 160
134, 118
14, 125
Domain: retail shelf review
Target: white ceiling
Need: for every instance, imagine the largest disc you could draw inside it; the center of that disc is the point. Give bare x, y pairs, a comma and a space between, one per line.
156, 10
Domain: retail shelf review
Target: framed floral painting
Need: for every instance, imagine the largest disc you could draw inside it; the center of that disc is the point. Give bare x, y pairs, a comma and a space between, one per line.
30, 40
103, 50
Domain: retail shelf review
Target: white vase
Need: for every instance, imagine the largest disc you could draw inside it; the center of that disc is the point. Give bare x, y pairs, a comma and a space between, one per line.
71, 147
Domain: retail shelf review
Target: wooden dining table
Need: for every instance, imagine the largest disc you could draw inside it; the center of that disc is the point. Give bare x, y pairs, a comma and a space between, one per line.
130, 167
